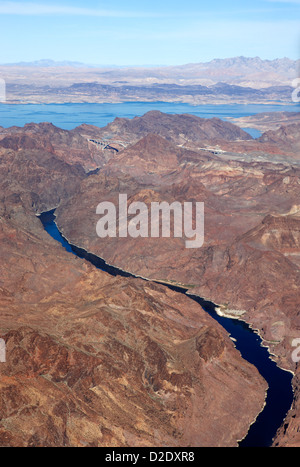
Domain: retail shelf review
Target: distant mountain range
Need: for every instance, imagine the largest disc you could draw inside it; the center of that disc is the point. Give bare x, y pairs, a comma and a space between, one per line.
215, 63
248, 79
47, 63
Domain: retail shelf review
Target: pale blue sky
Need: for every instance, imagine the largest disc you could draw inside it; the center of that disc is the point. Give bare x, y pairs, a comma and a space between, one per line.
164, 32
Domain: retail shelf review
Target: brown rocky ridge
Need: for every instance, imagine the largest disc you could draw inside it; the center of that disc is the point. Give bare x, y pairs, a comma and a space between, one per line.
214, 136
176, 128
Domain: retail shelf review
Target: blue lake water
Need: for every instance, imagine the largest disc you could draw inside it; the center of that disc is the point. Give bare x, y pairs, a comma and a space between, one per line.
68, 116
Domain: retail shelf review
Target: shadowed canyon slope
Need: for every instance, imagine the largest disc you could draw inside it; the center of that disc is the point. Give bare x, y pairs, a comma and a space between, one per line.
96, 360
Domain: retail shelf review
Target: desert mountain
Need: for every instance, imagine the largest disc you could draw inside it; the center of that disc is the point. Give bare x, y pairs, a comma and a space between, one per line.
176, 128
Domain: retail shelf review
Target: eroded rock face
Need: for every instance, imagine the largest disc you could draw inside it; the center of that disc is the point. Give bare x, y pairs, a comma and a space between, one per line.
96, 360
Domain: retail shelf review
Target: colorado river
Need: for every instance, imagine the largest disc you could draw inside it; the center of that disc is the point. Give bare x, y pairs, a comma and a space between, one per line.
280, 394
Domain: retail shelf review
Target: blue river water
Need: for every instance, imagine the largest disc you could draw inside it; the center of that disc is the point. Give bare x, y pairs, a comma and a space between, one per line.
280, 394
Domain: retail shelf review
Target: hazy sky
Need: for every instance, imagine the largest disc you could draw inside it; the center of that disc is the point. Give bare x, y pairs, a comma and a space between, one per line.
139, 32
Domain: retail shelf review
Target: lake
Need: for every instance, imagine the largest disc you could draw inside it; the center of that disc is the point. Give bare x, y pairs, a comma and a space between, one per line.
68, 116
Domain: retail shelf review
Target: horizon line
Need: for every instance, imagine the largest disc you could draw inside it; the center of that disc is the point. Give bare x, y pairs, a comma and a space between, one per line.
78, 64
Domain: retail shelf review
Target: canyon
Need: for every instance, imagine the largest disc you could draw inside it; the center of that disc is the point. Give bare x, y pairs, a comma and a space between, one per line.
96, 360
